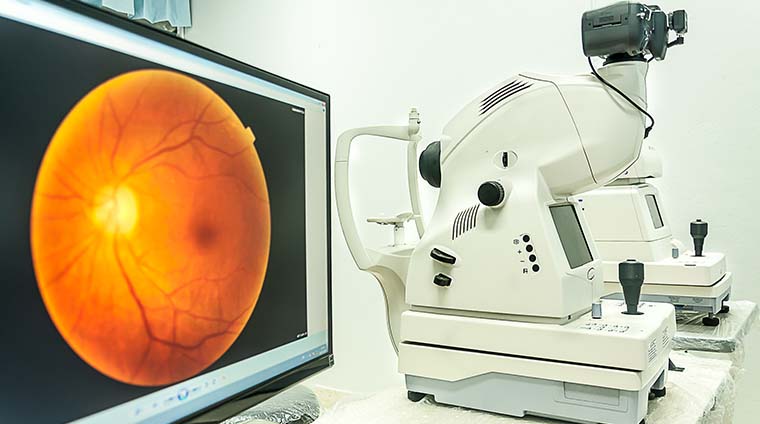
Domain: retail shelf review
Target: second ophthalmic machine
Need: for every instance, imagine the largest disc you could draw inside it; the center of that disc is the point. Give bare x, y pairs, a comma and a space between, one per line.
626, 219
497, 306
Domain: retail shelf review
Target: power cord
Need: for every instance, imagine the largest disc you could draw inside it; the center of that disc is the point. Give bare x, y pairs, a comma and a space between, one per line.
648, 129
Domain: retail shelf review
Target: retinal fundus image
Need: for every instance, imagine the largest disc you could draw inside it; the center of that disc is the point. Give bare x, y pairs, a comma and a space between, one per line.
150, 227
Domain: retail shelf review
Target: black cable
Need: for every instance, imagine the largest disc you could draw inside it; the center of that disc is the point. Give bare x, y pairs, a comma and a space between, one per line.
647, 129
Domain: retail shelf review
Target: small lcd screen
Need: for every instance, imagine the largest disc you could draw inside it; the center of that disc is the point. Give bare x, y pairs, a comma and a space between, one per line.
654, 211
571, 235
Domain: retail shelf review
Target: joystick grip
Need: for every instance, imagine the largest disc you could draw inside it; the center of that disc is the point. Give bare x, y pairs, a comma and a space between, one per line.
698, 231
631, 274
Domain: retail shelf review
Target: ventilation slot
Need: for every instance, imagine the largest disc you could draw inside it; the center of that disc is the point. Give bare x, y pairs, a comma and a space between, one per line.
465, 221
665, 339
503, 93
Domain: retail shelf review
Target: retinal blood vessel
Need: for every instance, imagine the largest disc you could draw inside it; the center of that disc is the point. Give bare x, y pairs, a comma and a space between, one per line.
150, 227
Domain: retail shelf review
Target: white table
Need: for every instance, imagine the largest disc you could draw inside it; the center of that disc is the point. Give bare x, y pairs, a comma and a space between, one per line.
703, 393
696, 395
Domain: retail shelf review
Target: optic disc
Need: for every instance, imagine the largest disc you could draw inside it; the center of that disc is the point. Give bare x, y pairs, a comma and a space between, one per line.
115, 210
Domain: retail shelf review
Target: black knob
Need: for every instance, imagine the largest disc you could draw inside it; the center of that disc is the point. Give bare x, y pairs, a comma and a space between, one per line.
430, 164
491, 193
441, 256
442, 280
631, 275
698, 230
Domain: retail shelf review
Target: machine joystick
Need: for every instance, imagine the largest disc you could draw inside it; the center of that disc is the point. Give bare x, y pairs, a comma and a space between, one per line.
698, 230
491, 193
631, 273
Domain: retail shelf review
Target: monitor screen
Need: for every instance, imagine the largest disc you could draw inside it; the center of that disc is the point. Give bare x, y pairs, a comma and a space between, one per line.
654, 211
165, 222
571, 235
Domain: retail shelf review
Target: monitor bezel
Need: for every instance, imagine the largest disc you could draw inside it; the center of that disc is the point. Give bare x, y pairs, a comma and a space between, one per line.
245, 399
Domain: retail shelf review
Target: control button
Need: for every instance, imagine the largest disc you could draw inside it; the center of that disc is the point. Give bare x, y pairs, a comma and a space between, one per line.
529, 248
591, 273
536, 268
532, 258
491, 193
441, 256
183, 394
526, 238
506, 160
442, 280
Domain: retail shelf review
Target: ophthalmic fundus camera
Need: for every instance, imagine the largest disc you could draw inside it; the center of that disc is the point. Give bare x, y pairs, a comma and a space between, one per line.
497, 306
627, 219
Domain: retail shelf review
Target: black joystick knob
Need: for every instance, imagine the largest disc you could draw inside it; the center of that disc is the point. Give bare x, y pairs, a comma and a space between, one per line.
631, 273
491, 193
698, 230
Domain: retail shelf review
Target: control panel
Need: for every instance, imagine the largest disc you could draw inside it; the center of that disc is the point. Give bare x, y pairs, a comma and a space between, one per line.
527, 253
610, 328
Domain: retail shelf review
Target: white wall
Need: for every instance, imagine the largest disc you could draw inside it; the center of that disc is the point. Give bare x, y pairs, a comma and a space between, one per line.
378, 58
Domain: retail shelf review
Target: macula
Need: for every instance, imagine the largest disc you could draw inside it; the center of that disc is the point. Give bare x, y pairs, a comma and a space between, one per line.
150, 227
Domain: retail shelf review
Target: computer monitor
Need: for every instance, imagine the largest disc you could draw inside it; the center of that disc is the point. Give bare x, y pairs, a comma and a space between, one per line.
165, 249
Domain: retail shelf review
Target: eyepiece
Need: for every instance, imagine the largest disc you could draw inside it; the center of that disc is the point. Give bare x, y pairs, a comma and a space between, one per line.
430, 164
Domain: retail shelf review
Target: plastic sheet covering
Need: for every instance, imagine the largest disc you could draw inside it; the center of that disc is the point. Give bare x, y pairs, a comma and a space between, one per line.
298, 405
725, 342
707, 385
701, 394
726, 337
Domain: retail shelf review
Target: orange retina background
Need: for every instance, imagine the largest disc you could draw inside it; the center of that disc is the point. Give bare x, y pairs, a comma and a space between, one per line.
150, 227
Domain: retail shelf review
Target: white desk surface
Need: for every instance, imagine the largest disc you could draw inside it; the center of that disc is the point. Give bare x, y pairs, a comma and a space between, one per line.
699, 394
702, 394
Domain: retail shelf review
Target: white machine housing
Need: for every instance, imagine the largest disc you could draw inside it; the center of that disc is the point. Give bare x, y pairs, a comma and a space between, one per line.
570, 155
590, 370
514, 316
627, 220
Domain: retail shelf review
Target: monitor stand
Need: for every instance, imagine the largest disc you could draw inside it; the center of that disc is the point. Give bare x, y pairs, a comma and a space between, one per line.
297, 405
